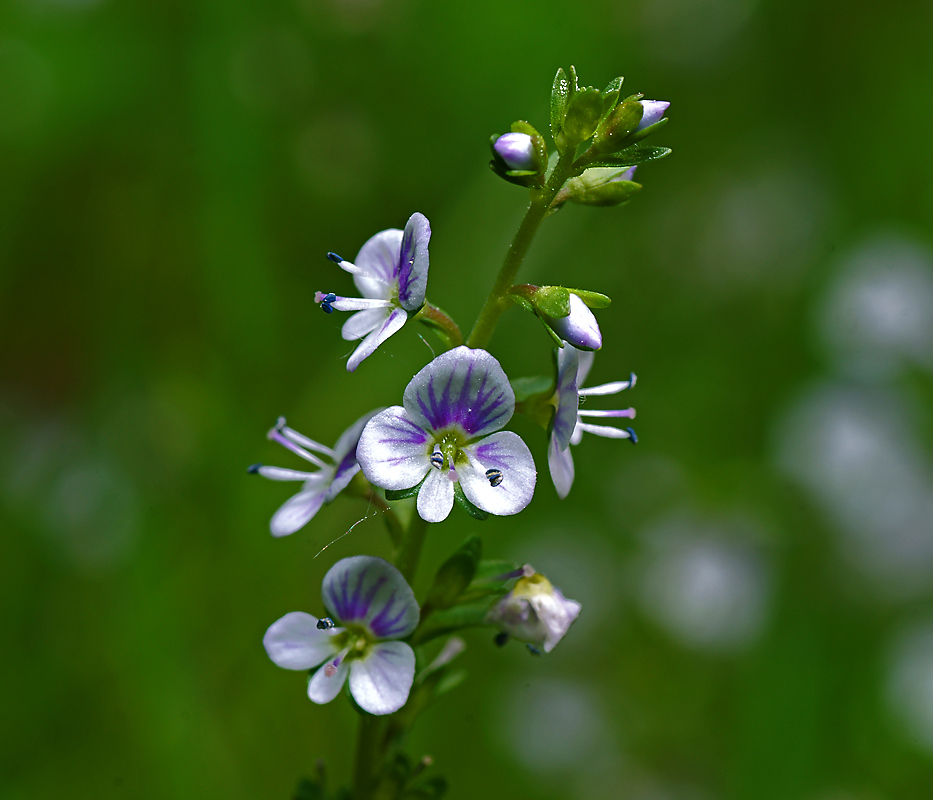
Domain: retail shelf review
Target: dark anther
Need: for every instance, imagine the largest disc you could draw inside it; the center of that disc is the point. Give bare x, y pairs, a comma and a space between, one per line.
334, 257
533, 650
252, 469
631, 380
329, 298
501, 639
437, 460
280, 423
494, 476
631, 432
325, 624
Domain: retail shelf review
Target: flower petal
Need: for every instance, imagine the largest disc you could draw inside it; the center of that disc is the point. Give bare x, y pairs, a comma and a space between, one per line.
345, 455
362, 323
380, 683
294, 642
323, 688
393, 450
567, 398
561, 465
392, 323
586, 358
462, 387
413, 262
368, 591
506, 452
379, 257
298, 510
436, 496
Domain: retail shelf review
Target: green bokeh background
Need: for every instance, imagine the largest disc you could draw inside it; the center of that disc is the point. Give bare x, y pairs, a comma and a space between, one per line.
171, 175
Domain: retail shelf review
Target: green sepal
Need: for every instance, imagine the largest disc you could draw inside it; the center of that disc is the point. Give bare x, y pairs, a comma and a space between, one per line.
433, 788
618, 124
592, 299
450, 620
526, 388
455, 574
612, 193
583, 114
521, 300
631, 156
560, 99
552, 301
558, 342
637, 136
404, 494
487, 581
466, 505
611, 94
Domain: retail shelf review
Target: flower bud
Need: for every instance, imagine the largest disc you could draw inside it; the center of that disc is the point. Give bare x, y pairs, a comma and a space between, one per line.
579, 327
517, 150
534, 611
654, 112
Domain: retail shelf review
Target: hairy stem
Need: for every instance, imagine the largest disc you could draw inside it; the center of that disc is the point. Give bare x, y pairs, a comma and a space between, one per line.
367, 756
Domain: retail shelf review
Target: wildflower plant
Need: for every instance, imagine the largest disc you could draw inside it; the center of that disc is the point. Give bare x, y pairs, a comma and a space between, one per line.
446, 444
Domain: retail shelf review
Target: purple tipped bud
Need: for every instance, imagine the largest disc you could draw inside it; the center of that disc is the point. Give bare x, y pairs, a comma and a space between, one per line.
517, 150
579, 327
654, 112
628, 175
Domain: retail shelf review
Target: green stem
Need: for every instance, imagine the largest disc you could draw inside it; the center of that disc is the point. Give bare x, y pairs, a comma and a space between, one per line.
409, 552
367, 754
497, 301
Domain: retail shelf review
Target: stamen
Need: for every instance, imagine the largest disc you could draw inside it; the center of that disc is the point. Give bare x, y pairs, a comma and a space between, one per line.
335, 258
253, 469
326, 301
533, 650
631, 433
276, 436
625, 412
330, 670
325, 623
494, 476
299, 438
501, 639
437, 459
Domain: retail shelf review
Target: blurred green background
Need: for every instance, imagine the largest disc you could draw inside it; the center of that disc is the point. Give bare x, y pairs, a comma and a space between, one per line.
756, 575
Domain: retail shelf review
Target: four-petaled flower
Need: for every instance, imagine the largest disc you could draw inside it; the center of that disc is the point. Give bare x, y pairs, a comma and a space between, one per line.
444, 437
568, 426
534, 611
321, 486
391, 273
372, 607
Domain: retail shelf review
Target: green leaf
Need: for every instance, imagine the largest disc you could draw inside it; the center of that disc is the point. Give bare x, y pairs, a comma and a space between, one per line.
592, 299
527, 387
630, 156
466, 505
583, 114
608, 194
552, 301
404, 494
455, 574
560, 97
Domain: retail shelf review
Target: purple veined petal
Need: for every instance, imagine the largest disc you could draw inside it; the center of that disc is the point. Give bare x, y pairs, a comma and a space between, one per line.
297, 511
392, 324
294, 642
436, 496
322, 688
461, 388
506, 452
586, 358
560, 463
380, 683
413, 262
379, 257
604, 430
567, 398
345, 455
363, 322
283, 474
393, 450
359, 303
368, 591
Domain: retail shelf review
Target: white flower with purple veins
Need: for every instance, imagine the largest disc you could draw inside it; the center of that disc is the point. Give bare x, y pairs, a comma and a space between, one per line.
391, 273
446, 437
335, 469
569, 426
371, 607
534, 611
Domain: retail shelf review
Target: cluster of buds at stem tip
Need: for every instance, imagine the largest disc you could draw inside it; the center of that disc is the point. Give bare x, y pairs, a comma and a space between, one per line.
565, 313
520, 156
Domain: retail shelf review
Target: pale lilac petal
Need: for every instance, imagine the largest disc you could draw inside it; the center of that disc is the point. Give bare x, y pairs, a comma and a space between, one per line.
604, 430
413, 262
393, 450
579, 327
379, 257
586, 359
370, 592
294, 642
363, 322
654, 111
461, 388
577, 435
380, 683
557, 613
345, 455
323, 688
392, 324
436, 496
359, 303
298, 510
506, 452
561, 466
567, 399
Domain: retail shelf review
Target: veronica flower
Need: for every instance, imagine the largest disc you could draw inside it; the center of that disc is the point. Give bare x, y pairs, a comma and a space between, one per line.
320, 486
444, 438
371, 606
568, 425
534, 611
391, 272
